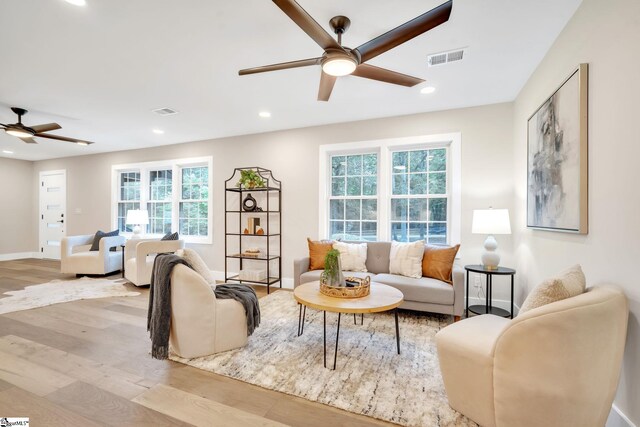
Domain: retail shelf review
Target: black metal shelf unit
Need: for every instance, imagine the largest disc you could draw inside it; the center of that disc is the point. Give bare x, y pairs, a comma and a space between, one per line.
272, 217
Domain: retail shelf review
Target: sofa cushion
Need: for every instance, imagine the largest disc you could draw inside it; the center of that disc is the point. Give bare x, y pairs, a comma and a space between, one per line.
95, 246
424, 289
437, 262
318, 252
353, 256
566, 284
197, 264
406, 258
314, 275
378, 257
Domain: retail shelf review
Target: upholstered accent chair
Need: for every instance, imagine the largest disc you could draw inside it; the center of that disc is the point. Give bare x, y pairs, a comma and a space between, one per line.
139, 255
555, 365
77, 258
201, 324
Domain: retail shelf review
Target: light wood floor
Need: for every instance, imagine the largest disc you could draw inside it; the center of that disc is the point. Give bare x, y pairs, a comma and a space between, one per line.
87, 363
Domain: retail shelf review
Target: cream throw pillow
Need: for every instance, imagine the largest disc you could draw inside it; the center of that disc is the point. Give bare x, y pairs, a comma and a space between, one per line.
197, 263
406, 258
353, 256
569, 283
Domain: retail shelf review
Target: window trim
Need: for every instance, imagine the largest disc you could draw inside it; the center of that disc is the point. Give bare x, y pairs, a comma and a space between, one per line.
384, 148
176, 166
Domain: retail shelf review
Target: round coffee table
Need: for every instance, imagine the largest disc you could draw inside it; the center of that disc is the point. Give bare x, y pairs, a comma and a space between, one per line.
382, 298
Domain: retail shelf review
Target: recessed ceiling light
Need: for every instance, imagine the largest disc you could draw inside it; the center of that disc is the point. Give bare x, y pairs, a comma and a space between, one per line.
264, 114
7, 152
158, 131
77, 2
427, 89
82, 143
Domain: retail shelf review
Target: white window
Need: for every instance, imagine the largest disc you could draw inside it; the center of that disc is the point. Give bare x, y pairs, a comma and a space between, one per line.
176, 194
353, 202
403, 189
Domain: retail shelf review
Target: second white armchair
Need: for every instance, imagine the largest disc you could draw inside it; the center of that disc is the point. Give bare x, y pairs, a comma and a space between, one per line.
139, 255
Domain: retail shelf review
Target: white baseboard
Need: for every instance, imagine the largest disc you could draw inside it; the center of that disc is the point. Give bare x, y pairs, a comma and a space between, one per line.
617, 418
20, 255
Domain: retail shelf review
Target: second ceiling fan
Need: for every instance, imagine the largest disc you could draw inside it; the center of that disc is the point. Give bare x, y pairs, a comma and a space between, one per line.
339, 60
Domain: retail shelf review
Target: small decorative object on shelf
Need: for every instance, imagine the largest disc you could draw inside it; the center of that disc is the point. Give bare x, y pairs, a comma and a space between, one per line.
248, 227
355, 288
250, 178
249, 203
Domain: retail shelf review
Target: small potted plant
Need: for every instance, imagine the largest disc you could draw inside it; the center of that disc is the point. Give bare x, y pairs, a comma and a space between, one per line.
250, 179
332, 274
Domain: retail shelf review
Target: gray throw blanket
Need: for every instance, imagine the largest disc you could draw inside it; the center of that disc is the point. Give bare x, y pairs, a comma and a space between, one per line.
246, 296
159, 314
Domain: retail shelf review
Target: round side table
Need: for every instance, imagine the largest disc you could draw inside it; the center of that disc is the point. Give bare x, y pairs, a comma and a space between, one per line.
488, 308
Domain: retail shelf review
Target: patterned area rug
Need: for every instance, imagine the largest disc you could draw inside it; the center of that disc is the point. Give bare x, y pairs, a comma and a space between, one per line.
58, 291
370, 378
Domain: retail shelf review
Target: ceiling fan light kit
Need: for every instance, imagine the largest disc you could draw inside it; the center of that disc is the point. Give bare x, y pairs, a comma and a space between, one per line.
339, 60
27, 133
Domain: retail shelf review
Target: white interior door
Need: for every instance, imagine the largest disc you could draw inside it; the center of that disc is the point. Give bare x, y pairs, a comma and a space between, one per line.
53, 205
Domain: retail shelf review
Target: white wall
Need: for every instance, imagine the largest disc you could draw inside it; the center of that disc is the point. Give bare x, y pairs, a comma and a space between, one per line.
293, 157
605, 34
18, 226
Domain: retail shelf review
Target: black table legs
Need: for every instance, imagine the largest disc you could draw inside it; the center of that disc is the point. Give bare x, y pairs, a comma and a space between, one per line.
335, 354
324, 328
397, 330
301, 318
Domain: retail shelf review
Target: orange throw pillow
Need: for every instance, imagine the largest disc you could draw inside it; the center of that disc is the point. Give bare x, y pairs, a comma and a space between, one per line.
318, 252
437, 262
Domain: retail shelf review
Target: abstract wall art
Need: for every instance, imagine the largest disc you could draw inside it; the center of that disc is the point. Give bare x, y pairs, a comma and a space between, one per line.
557, 164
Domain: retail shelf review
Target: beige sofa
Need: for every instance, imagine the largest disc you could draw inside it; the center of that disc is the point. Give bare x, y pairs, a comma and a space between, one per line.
556, 365
201, 324
424, 294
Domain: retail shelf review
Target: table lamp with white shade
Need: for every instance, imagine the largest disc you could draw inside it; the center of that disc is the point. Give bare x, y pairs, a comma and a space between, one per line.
137, 217
490, 222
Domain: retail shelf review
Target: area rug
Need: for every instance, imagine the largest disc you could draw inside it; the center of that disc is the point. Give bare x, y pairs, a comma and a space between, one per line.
59, 291
370, 378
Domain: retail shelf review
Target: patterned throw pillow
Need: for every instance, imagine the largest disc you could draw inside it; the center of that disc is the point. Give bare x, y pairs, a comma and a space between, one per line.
405, 259
353, 256
95, 246
170, 236
569, 283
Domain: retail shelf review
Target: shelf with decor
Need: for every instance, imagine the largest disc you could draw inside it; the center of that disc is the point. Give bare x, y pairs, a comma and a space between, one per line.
253, 220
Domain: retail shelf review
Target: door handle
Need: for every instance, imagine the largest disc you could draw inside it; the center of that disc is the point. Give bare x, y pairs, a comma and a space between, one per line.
61, 221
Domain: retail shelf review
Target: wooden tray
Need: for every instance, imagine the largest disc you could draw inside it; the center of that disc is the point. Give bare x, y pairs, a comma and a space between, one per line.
347, 292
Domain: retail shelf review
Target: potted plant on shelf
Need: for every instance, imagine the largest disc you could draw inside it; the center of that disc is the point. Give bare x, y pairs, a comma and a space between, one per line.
332, 274
250, 179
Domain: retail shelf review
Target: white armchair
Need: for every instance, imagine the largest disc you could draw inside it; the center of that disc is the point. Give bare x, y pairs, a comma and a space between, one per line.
76, 258
201, 324
139, 255
555, 365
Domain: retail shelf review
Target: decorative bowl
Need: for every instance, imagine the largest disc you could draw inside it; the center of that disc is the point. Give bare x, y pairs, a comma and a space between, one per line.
361, 289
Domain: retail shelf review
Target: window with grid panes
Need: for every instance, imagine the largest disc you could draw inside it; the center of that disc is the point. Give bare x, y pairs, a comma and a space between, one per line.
353, 201
194, 197
128, 197
160, 201
419, 196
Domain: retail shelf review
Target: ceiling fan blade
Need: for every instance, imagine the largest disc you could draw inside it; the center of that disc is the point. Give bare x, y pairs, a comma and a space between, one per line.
405, 32
382, 74
46, 128
61, 138
28, 140
308, 24
326, 86
280, 66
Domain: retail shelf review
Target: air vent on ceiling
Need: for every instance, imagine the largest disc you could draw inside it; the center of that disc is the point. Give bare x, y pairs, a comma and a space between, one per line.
445, 57
166, 111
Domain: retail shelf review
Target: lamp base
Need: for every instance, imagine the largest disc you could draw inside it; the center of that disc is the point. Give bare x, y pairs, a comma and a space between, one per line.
490, 258
137, 232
